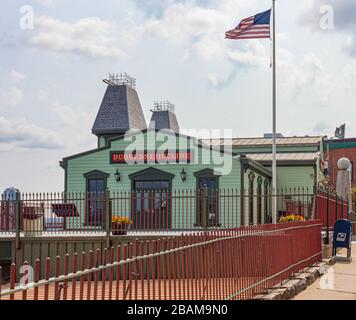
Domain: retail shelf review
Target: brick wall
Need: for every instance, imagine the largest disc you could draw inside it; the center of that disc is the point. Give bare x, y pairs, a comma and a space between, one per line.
335, 155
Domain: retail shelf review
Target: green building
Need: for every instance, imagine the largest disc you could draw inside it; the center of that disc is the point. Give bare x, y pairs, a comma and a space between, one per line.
180, 181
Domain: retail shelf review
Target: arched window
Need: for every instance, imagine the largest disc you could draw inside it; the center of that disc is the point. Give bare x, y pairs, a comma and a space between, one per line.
259, 200
251, 178
266, 201
96, 182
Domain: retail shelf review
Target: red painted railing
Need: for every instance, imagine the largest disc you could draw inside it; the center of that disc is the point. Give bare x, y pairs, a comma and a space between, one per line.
330, 208
150, 211
222, 264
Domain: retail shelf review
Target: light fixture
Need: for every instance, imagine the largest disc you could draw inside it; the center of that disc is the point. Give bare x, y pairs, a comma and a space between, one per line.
117, 176
183, 175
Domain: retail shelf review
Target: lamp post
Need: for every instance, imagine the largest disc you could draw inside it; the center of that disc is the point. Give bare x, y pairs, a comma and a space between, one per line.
117, 176
183, 175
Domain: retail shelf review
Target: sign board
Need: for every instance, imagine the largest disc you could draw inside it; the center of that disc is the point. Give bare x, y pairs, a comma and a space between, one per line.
171, 156
65, 210
342, 235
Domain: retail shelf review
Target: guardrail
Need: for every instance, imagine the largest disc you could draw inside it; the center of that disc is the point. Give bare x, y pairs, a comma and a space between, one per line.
222, 264
330, 208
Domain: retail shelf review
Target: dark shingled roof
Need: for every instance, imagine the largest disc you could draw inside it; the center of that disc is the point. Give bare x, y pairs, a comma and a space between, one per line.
119, 111
164, 120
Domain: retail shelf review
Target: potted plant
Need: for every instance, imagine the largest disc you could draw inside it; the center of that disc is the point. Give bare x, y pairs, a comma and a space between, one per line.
120, 225
291, 217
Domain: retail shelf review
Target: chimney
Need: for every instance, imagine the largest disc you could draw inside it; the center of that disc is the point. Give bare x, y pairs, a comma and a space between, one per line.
164, 117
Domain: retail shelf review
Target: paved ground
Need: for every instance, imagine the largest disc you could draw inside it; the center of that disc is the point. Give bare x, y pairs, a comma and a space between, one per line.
216, 289
339, 283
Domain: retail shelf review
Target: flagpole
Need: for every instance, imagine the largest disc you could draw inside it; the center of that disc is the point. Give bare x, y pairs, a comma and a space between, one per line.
274, 146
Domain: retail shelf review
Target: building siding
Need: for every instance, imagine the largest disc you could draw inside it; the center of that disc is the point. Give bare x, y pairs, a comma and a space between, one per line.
100, 160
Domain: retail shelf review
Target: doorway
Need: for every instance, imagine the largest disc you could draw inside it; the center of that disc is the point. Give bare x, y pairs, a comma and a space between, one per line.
151, 199
96, 182
206, 180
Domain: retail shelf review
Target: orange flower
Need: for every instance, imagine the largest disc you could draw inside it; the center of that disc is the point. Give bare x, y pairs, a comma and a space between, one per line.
121, 219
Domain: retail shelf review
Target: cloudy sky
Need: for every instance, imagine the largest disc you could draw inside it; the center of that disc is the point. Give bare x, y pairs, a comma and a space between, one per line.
51, 74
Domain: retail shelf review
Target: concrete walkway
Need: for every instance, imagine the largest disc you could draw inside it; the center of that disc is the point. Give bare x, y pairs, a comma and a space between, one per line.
338, 283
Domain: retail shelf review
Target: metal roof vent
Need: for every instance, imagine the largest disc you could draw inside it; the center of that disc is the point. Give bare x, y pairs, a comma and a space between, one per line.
163, 116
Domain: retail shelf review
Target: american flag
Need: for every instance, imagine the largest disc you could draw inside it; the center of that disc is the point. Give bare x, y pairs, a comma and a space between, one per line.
254, 27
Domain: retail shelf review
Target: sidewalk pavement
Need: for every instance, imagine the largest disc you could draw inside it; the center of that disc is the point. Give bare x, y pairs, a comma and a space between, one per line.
338, 283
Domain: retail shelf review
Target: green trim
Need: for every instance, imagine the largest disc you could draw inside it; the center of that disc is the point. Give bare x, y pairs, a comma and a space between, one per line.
290, 163
206, 173
96, 174
151, 174
256, 166
242, 194
196, 142
340, 145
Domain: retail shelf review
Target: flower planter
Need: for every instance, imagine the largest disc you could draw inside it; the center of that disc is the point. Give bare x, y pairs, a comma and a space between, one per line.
119, 229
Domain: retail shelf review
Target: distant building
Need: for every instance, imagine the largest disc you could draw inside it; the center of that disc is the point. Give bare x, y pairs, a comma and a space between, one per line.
336, 149
7, 215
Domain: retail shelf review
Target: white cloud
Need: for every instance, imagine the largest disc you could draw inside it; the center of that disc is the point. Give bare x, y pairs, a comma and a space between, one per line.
343, 14
72, 129
74, 125
322, 128
16, 75
11, 96
47, 2
302, 74
349, 77
200, 32
20, 133
182, 23
92, 37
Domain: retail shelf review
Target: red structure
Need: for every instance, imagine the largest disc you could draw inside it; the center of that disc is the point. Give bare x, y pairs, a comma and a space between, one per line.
335, 149
233, 264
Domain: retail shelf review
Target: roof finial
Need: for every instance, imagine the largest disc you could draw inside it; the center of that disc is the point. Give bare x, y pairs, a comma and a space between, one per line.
121, 79
164, 105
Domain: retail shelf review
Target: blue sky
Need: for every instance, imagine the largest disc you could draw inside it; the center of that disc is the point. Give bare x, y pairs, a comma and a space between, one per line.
51, 75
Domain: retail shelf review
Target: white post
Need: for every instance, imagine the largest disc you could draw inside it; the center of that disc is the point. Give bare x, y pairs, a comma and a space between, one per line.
274, 147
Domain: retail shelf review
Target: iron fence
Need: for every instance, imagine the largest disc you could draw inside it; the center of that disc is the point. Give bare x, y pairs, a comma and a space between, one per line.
146, 211
221, 264
330, 208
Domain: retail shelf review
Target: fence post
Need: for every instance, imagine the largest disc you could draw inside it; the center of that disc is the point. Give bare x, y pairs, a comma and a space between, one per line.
107, 217
327, 217
316, 204
336, 209
18, 215
242, 208
204, 208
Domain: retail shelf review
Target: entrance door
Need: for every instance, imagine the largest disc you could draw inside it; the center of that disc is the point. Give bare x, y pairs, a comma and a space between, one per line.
211, 184
152, 207
95, 201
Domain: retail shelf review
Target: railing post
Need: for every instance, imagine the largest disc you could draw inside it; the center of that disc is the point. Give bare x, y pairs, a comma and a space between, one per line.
327, 217
336, 209
242, 207
204, 208
107, 217
316, 216
18, 215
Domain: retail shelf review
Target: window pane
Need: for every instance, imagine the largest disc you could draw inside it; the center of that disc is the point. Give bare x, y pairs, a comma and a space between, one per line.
151, 185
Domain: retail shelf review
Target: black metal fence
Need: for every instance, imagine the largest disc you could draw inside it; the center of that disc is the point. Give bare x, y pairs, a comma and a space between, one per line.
119, 213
